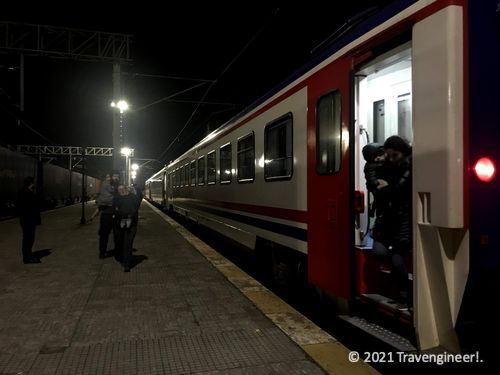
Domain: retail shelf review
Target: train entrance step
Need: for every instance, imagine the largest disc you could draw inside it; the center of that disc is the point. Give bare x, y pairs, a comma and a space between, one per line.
390, 338
389, 307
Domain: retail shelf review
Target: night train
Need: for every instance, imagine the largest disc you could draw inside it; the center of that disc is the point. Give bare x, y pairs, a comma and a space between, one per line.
286, 174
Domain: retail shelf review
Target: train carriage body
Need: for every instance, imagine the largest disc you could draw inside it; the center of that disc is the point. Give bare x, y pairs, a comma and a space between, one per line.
289, 169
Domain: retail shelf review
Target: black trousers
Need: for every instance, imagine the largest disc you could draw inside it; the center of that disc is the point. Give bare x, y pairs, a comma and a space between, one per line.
28, 240
399, 271
125, 242
105, 227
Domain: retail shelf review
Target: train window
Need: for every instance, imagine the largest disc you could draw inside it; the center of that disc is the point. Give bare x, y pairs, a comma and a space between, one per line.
192, 172
328, 134
404, 117
225, 155
211, 168
278, 149
186, 174
201, 170
181, 176
246, 158
379, 121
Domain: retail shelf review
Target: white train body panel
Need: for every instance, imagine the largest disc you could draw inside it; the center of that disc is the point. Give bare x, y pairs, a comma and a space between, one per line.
289, 194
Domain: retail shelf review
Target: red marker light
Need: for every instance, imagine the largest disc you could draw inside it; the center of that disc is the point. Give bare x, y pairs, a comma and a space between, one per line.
485, 169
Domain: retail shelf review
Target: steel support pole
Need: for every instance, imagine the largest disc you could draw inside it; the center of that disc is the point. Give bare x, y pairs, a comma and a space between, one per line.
82, 197
70, 175
21, 82
117, 142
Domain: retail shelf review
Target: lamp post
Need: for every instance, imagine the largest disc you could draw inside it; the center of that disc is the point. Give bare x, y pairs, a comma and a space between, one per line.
127, 152
84, 190
121, 107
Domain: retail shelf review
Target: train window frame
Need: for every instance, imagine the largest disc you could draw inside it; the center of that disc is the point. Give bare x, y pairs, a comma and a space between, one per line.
285, 120
214, 169
192, 173
333, 164
186, 174
202, 182
378, 121
222, 180
181, 174
241, 151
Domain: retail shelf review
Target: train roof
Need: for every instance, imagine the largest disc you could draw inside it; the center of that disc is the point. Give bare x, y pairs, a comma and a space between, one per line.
352, 29
157, 176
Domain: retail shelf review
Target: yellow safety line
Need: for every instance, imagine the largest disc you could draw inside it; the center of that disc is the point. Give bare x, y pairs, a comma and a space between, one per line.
325, 350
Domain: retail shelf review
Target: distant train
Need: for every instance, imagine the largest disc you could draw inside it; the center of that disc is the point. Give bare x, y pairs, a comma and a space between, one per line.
285, 176
52, 180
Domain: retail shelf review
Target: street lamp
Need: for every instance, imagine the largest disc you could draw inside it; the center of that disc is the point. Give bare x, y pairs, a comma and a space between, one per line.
127, 152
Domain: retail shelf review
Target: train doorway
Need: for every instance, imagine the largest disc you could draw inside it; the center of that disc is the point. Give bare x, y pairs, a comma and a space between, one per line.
383, 108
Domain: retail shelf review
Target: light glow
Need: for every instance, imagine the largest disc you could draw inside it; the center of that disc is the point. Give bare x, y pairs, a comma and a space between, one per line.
485, 169
122, 105
126, 151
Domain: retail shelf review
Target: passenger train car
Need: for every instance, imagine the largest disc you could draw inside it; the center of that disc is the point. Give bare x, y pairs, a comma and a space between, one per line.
285, 176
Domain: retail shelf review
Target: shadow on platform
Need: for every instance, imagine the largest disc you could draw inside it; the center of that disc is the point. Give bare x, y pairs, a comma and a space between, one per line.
136, 259
42, 253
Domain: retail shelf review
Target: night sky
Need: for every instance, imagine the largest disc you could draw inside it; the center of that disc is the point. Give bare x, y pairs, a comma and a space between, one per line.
248, 49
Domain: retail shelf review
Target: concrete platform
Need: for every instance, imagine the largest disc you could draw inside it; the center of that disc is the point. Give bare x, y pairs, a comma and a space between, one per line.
183, 308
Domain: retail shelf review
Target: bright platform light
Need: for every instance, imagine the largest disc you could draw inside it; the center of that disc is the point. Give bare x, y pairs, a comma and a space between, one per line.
122, 105
126, 151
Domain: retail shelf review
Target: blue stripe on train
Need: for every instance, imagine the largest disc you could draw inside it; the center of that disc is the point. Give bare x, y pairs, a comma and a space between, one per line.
283, 229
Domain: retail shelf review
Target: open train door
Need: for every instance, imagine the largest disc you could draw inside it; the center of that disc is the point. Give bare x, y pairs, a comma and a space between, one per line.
328, 176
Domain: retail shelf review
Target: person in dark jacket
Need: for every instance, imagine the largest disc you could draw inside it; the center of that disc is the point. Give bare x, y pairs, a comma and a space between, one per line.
29, 218
126, 205
105, 206
398, 153
374, 156
395, 238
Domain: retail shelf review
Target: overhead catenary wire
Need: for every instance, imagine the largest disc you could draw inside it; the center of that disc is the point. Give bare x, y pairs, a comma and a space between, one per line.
168, 77
245, 47
170, 96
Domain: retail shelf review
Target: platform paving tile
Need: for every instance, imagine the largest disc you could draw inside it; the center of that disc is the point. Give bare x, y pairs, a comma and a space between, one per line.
174, 313
175, 354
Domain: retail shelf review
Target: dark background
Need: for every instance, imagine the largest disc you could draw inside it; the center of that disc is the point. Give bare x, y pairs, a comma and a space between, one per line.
247, 48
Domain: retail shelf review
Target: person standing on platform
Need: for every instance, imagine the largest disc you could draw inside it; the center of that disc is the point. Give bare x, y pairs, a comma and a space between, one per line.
29, 218
105, 207
126, 205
